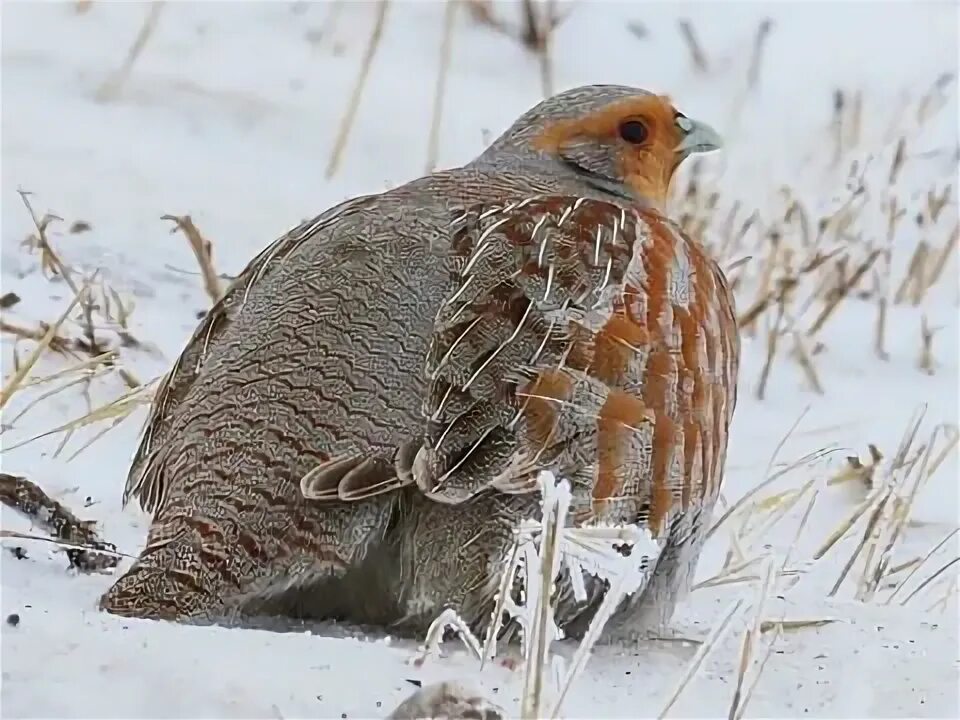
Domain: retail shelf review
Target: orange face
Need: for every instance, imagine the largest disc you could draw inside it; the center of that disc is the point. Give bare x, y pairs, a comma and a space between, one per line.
645, 138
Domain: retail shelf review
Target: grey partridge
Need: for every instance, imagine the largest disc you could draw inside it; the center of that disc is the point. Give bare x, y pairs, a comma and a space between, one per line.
334, 442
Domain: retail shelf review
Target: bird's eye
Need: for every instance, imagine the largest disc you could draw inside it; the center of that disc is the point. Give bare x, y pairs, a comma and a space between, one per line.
633, 131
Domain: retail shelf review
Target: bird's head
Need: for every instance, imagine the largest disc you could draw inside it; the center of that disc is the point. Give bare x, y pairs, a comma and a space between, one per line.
619, 140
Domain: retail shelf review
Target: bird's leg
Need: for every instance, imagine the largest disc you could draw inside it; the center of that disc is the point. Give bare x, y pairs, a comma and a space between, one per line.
647, 615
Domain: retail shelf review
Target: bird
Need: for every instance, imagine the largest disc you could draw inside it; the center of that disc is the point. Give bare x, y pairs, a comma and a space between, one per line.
591, 340
352, 429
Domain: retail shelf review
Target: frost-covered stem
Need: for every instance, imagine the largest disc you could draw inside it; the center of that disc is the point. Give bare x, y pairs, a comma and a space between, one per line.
503, 592
556, 502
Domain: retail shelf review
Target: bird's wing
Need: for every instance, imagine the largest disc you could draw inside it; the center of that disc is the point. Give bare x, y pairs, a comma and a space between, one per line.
145, 479
587, 338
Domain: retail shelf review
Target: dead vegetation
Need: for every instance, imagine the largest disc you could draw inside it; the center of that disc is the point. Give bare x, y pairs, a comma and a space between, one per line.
804, 262
85, 550
97, 338
534, 29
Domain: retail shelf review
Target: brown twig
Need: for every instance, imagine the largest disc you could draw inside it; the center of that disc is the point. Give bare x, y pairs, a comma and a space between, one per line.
57, 343
28, 499
49, 260
842, 292
203, 251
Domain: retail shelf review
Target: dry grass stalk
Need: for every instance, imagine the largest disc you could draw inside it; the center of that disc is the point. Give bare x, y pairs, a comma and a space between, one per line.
773, 337
90, 305
539, 20
14, 382
930, 579
538, 30
778, 507
842, 293
535, 25
935, 97
914, 282
116, 410
937, 202
874, 518
202, 251
836, 125
540, 591
751, 638
930, 553
49, 260
771, 477
58, 343
85, 378
950, 592
727, 572
346, 124
482, 12
806, 363
697, 56
446, 49
894, 216
889, 506
716, 635
941, 259
926, 362
844, 527
901, 507
760, 666
112, 86
84, 366
855, 125
784, 286
756, 54
782, 626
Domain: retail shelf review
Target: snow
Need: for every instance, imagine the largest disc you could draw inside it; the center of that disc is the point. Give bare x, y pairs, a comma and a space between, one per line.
230, 115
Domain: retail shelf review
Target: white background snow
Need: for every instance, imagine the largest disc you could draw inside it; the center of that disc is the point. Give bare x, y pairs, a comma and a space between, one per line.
230, 115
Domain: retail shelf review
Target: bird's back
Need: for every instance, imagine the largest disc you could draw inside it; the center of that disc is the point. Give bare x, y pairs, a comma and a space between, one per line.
314, 353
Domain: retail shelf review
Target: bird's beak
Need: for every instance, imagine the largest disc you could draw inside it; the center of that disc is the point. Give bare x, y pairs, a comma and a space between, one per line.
696, 137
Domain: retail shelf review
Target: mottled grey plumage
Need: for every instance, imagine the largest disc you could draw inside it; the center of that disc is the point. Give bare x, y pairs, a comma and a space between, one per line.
313, 370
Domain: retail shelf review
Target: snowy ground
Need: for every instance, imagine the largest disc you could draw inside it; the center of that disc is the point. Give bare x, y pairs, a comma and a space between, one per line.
230, 115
